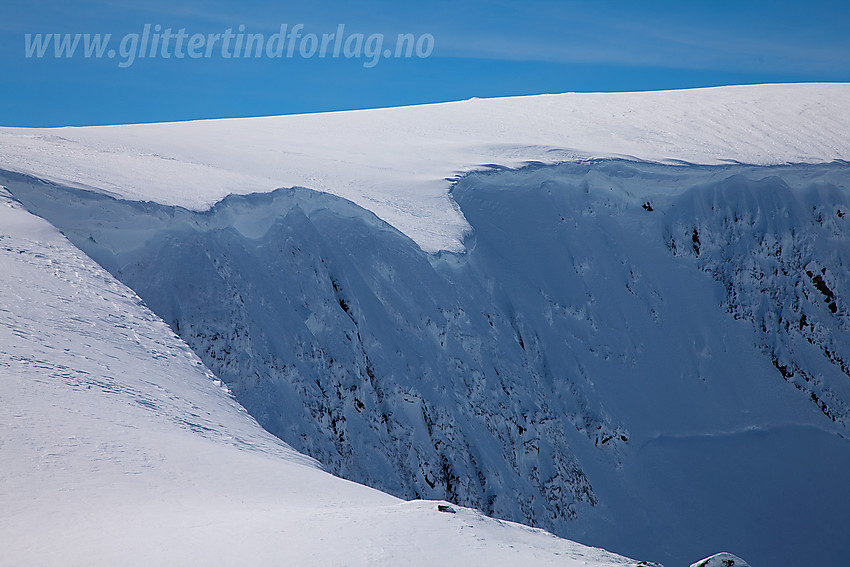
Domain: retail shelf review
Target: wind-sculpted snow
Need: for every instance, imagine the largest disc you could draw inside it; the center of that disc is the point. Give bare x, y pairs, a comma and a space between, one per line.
399, 162
614, 333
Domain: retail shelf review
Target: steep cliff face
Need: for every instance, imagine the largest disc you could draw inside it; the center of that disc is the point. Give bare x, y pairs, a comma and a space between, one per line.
781, 254
600, 311
336, 332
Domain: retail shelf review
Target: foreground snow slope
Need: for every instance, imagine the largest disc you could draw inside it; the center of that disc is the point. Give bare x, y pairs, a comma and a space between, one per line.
394, 162
118, 447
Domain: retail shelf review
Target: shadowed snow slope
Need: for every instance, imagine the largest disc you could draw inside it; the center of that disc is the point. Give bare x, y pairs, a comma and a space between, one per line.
394, 162
118, 447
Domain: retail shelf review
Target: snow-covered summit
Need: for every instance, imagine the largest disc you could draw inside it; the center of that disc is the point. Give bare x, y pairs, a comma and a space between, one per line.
396, 161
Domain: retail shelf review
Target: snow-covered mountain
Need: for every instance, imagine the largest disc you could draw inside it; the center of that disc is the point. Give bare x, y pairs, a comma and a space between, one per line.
649, 357
119, 447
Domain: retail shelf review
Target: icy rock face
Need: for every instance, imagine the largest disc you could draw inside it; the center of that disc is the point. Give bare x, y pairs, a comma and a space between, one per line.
601, 312
783, 257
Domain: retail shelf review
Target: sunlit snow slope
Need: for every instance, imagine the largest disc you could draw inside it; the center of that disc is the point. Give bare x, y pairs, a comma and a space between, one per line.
119, 448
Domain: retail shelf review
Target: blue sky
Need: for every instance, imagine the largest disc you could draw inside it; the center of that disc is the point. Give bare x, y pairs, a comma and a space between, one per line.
483, 49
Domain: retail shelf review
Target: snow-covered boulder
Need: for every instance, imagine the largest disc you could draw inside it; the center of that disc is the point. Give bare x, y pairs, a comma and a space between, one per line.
721, 560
